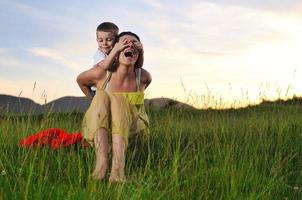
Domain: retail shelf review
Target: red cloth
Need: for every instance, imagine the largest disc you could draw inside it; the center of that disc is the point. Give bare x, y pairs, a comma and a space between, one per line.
53, 137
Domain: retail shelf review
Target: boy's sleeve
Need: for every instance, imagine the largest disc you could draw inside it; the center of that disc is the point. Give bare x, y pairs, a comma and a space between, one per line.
98, 57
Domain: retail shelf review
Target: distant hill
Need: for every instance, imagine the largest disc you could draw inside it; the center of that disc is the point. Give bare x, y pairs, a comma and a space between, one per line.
293, 101
166, 103
18, 105
13, 104
67, 104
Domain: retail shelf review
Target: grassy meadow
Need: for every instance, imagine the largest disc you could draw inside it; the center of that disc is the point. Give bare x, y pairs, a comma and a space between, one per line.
251, 153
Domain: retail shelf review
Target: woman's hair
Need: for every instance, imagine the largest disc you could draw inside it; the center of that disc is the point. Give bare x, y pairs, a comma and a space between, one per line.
127, 33
138, 63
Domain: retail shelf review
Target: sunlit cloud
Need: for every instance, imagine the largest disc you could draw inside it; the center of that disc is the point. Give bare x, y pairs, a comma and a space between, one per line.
27, 10
156, 4
56, 56
224, 47
3, 50
9, 62
280, 6
226, 44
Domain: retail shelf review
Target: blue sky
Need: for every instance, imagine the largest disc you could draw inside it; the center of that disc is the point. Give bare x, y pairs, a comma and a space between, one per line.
208, 53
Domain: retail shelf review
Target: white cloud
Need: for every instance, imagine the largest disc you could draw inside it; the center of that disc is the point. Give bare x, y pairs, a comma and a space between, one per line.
3, 50
154, 4
221, 44
280, 6
56, 56
199, 41
9, 62
27, 10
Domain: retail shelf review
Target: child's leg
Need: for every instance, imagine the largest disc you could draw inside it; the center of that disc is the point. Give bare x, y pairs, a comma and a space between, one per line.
118, 159
101, 152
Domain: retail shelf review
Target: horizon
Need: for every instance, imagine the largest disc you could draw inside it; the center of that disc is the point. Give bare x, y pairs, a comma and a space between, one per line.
237, 52
204, 107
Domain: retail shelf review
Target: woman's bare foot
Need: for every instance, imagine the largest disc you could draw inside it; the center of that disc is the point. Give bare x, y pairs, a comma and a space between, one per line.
117, 173
101, 153
100, 170
118, 159
117, 179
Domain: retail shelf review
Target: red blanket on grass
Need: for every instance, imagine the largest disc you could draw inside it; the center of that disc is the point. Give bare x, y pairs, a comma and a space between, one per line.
53, 137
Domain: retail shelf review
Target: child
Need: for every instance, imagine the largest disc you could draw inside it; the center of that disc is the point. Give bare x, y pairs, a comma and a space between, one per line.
118, 106
106, 34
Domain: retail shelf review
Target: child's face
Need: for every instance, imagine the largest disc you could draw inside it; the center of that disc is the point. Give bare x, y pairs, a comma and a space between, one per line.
105, 41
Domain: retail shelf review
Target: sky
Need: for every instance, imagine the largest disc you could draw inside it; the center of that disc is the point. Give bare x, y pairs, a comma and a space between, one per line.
219, 53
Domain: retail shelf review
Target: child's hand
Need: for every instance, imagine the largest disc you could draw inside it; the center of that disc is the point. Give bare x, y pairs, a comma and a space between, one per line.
121, 45
139, 46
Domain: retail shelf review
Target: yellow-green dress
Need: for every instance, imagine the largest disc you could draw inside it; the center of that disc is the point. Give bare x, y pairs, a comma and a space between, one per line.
120, 113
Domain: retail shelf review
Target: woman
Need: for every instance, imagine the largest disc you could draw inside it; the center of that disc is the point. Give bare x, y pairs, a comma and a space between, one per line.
117, 107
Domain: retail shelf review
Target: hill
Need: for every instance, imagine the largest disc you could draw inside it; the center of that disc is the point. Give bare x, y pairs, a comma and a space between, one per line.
13, 104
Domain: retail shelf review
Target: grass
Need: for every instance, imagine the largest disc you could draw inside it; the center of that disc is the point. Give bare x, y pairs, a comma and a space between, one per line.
251, 153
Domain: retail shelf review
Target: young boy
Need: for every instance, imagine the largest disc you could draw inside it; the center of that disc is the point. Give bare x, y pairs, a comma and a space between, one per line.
106, 34
105, 56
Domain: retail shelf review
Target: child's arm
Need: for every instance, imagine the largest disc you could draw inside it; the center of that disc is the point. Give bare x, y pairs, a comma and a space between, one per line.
91, 77
146, 78
88, 78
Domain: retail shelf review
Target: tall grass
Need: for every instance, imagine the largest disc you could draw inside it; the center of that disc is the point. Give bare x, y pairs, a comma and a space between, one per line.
251, 153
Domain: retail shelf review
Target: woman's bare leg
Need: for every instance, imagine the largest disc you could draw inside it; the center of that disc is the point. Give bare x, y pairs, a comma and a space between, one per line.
99, 115
101, 152
118, 159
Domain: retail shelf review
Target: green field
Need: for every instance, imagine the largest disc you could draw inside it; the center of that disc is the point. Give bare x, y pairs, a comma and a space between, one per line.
251, 153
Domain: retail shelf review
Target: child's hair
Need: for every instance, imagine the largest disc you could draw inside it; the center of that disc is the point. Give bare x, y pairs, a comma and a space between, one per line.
108, 27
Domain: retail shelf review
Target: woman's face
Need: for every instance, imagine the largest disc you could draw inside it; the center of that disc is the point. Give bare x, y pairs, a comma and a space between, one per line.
129, 55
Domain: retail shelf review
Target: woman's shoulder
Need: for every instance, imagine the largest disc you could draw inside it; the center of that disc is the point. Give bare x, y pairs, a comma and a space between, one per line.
145, 76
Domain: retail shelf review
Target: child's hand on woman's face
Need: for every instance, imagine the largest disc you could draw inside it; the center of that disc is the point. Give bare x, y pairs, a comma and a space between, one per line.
138, 45
122, 44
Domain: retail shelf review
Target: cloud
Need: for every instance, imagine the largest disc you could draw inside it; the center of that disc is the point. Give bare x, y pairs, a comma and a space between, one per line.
208, 33
200, 41
205, 25
56, 56
154, 4
280, 6
8, 59
3, 50
220, 43
25, 10
10, 62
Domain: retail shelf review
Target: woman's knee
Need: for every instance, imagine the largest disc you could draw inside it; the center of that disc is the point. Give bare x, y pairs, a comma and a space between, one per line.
102, 101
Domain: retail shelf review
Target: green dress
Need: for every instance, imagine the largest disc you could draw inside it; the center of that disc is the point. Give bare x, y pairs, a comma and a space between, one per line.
120, 113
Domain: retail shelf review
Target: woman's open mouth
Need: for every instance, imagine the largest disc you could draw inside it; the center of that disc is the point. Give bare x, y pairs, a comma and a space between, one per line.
128, 54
